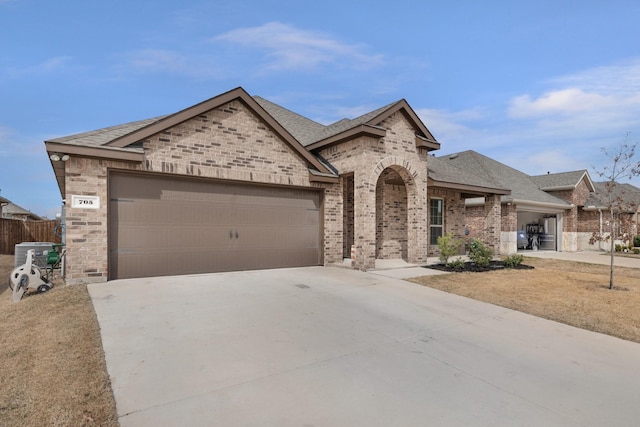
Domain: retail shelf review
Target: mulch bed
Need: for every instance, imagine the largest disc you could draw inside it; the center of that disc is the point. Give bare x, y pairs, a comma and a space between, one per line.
474, 268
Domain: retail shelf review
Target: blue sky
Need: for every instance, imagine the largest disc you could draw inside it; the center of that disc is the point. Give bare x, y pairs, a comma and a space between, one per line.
541, 86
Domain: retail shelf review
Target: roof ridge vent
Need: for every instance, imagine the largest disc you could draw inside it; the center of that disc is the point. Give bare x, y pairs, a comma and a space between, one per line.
453, 156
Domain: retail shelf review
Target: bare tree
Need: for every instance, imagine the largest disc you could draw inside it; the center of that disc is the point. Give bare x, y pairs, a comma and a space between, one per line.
620, 165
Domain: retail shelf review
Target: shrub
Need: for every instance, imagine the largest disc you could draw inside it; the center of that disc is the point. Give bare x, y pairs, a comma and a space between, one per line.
479, 253
636, 241
513, 260
636, 251
449, 246
456, 264
618, 248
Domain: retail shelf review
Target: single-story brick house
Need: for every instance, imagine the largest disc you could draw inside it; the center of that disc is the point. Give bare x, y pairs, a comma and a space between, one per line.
237, 182
559, 211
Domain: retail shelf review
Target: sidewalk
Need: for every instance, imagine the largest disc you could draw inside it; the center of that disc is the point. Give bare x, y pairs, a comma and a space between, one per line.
400, 269
591, 257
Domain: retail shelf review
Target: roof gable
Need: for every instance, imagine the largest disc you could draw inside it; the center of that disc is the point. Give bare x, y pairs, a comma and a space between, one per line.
369, 123
217, 101
122, 139
563, 181
314, 135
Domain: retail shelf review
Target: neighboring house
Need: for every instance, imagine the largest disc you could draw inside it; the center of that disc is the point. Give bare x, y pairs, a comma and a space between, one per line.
574, 188
237, 182
3, 202
595, 217
538, 212
10, 210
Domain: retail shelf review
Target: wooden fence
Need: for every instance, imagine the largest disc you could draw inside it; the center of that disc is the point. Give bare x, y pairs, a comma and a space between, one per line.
14, 231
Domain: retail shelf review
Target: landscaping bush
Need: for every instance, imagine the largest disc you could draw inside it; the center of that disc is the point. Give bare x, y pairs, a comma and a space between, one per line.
479, 253
636, 251
636, 241
618, 248
449, 246
456, 264
513, 261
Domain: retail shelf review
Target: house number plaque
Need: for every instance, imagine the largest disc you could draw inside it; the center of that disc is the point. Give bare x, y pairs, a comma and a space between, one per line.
85, 202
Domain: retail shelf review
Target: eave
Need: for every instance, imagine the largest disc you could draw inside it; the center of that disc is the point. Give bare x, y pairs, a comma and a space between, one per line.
107, 153
521, 202
472, 190
559, 188
361, 130
429, 144
315, 176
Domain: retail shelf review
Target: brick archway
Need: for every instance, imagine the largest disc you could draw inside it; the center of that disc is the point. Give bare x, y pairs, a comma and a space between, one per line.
398, 197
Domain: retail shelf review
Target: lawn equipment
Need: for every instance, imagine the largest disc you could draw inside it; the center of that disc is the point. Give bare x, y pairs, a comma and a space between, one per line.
28, 276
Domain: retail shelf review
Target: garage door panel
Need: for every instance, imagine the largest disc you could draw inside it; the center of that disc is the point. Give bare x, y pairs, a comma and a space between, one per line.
161, 226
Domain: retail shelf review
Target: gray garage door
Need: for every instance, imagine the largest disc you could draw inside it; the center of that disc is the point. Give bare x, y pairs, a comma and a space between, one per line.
167, 226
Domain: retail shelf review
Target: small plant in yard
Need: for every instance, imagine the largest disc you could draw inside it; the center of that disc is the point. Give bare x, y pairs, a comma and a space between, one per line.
636, 241
456, 264
618, 248
513, 261
449, 246
636, 251
479, 253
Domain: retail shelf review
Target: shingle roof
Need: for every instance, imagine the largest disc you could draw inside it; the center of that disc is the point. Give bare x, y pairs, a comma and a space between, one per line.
500, 175
308, 131
627, 194
561, 181
302, 128
443, 171
100, 137
346, 124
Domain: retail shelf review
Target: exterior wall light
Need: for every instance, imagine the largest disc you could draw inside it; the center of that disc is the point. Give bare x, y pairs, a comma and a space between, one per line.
56, 157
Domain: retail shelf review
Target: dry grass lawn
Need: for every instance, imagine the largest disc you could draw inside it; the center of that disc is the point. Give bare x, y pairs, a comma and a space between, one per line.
569, 292
52, 369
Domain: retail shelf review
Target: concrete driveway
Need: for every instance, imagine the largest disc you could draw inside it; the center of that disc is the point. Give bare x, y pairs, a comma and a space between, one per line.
336, 347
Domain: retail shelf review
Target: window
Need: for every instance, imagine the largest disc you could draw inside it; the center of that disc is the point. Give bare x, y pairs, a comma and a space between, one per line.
436, 219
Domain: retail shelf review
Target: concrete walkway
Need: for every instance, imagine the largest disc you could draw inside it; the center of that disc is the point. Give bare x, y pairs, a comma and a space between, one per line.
400, 269
591, 257
336, 347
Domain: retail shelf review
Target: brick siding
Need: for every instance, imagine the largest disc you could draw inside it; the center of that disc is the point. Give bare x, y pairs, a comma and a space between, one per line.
229, 142
366, 159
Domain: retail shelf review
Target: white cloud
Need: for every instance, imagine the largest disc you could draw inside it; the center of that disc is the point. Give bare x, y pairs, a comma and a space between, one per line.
291, 48
617, 79
608, 92
564, 101
200, 66
50, 65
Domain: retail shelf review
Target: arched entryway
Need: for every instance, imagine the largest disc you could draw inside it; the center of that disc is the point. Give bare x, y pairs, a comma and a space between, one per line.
392, 209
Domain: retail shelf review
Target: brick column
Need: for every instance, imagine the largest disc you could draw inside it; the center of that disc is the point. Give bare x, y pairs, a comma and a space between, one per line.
364, 221
492, 221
